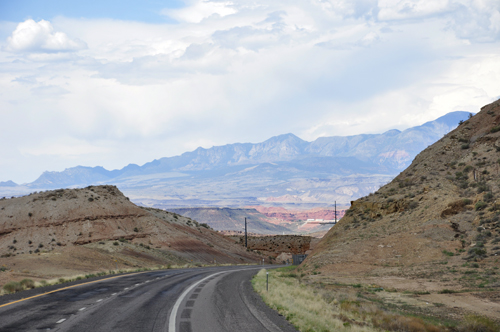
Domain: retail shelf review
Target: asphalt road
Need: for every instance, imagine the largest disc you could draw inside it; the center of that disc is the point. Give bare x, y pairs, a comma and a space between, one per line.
186, 300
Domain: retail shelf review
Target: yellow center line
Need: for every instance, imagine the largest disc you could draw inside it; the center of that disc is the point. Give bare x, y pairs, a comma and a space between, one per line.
60, 289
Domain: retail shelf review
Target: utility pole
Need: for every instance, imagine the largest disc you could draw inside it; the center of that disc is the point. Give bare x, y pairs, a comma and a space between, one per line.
246, 244
335, 211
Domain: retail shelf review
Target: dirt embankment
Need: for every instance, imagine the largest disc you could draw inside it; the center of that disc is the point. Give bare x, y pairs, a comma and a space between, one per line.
434, 229
73, 231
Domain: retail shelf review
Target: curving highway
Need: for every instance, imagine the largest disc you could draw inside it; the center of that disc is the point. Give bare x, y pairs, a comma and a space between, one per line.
185, 300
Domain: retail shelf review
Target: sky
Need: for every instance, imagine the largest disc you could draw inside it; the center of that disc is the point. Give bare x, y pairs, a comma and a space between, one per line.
108, 83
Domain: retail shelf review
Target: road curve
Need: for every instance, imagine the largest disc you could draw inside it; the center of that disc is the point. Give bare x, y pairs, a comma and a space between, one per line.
184, 300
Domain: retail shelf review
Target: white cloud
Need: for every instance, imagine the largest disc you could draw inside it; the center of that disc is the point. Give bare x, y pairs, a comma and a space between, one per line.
239, 72
31, 36
410, 9
198, 10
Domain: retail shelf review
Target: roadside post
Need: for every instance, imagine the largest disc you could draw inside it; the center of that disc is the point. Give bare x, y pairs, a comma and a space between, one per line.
267, 281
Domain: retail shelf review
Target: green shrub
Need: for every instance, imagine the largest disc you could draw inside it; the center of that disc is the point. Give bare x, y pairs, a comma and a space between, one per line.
115, 243
12, 287
480, 205
465, 146
448, 253
495, 129
27, 284
488, 197
136, 229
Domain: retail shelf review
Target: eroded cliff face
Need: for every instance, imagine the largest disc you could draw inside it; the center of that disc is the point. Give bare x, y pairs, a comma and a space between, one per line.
444, 207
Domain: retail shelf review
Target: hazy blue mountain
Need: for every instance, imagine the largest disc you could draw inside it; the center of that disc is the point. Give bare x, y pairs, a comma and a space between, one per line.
283, 168
8, 184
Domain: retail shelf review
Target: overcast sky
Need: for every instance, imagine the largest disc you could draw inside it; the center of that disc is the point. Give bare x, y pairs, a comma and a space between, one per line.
110, 83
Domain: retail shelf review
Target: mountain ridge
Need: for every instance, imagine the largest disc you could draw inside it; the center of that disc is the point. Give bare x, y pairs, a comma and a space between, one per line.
286, 147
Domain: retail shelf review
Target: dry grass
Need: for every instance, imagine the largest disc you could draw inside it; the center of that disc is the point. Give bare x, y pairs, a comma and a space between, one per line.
311, 308
305, 308
14, 287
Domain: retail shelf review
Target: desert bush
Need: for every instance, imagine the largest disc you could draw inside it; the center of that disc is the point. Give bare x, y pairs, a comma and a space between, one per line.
468, 168
482, 187
465, 146
413, 205
488, 197
463, 140
476, 252
115, 243
495, 129
136, 229
27, 283
474, 323
12, 287
448, 253
480, 206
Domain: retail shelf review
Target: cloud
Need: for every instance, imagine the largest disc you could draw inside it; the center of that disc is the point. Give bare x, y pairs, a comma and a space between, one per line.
238, 71
477, 20
410, 9
31, 36
199, 10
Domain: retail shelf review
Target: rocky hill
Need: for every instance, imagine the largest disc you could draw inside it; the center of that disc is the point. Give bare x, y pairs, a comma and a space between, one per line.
232, 219
72, 231
433, 230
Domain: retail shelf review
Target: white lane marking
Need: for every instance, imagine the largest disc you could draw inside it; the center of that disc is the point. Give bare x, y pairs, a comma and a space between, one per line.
99, 300
173, 314
126, 288
113, 294
81, 309
137, 284
60, 321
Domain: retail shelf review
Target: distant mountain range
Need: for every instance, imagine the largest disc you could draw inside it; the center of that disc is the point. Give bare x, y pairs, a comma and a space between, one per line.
281, 170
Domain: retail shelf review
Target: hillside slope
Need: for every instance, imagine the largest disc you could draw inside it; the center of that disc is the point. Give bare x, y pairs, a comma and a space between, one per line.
232, 219
435, 227
65, 231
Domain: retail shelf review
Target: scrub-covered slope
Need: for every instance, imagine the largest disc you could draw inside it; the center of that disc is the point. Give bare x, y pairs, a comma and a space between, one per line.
80, 230
434, 227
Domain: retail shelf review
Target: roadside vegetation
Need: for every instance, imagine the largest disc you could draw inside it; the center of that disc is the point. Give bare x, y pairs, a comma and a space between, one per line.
319, 308
14, 286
